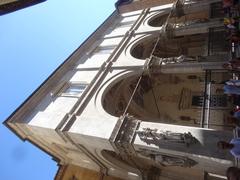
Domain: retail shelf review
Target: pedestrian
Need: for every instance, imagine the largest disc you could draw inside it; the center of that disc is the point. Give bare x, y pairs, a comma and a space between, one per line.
233, 146
229, 89
233, 173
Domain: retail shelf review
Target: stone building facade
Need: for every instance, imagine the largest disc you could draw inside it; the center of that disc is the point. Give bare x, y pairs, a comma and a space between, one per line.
139, 99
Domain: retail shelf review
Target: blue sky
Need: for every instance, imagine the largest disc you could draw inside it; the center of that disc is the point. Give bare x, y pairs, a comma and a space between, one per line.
34, 42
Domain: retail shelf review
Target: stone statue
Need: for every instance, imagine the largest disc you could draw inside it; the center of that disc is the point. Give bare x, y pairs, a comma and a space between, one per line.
151, 136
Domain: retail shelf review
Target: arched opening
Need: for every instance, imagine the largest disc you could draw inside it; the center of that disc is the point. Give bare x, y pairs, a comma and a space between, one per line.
200, 47
185, 20
116, 159
158, 20
171, 98
152, 164
129, 163
197, 14
191, 45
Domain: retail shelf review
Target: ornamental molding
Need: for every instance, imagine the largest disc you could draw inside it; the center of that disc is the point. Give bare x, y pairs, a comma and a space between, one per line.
123, 135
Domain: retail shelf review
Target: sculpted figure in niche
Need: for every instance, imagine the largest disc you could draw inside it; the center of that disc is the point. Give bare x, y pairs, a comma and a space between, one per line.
173, 60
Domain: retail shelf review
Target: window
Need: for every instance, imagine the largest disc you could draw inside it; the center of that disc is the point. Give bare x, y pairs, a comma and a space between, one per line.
69, 89
73, 89
197, 101
108, 49
126, 24
216, 101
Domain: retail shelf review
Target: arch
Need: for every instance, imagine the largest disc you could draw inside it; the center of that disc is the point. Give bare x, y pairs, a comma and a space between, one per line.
164, 98
190, 45
132, 164
192, 13
115, 102
116, 160
159, 19
156, 98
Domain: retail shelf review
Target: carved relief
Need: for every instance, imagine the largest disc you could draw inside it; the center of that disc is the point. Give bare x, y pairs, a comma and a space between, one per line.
173, 49
151, 136
157, 61
167, 159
